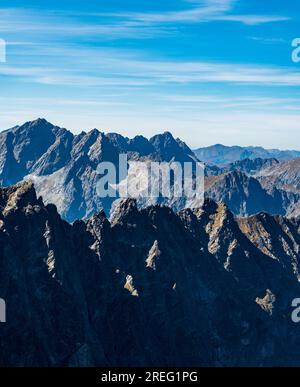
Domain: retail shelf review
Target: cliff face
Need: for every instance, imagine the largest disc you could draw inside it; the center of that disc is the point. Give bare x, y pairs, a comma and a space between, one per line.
243, 194
276, 237
64, 166
147, 288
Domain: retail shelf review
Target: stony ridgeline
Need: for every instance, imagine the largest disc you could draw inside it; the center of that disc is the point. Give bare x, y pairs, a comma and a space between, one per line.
147, 288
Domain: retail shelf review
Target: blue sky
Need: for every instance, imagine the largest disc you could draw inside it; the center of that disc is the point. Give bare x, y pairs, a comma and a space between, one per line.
210, 71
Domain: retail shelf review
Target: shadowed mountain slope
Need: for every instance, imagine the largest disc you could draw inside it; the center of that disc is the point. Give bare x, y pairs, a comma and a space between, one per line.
150, 288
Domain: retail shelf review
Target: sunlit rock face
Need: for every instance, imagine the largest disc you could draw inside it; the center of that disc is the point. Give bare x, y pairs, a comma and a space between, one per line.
63, 168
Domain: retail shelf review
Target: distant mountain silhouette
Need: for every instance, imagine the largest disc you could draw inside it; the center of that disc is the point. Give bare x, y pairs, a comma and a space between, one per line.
220, 154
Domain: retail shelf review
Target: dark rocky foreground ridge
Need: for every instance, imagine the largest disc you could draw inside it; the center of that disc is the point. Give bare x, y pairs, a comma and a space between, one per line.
150, 287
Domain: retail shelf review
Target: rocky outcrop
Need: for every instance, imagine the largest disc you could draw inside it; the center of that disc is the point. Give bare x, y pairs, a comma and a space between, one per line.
251, 166
277, 237
285, 175
21, 148
243, 194
149, 287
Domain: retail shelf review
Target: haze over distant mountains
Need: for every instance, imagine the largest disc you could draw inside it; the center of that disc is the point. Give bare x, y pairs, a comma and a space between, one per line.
63, 168
221, 155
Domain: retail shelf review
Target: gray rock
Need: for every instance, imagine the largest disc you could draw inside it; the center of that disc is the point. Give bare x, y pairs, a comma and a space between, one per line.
85, 295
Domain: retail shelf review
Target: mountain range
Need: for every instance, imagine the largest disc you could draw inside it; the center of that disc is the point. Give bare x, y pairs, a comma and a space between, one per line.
128, 292
221, 155
63, 168
101, 282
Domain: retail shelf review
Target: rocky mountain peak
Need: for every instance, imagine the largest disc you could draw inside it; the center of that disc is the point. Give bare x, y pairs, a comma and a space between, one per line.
212, 291
64, 169
123, 210
18, 197
141, 145
40, 123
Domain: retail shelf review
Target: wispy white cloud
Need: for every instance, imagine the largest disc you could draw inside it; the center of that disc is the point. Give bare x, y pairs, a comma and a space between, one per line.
268, 40
252, 20
122, 25
95, 67
55, 58
233, 101
50, 24
202, 11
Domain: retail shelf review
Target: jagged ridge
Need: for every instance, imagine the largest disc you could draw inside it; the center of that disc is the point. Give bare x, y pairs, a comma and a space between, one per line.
149, 287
